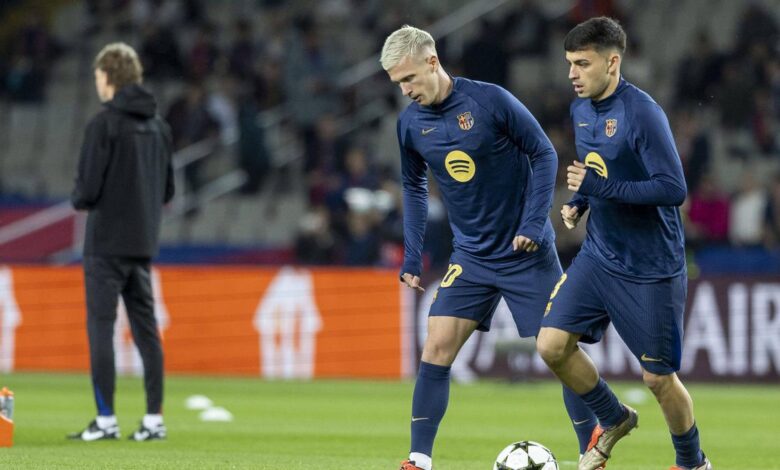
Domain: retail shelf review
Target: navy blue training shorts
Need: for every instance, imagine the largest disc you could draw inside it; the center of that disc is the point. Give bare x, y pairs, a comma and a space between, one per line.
472, 289
648, 316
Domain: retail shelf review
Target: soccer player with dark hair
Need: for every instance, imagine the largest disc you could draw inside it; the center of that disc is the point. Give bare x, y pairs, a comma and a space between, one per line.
631, 268
124, 178
496, 170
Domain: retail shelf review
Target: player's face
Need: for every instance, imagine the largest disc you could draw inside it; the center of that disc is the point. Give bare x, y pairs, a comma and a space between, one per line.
592, 72
104, 90
417, 78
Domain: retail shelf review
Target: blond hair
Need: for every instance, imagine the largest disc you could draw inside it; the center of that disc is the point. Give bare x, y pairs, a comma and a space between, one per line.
407, 41
120, 63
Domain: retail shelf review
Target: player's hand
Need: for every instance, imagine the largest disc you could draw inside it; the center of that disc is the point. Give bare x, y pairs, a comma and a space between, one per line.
575, 175
570, 216
412, 281
521, 243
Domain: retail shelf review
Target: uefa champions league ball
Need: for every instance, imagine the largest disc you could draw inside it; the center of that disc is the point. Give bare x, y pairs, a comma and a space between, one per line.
525, 455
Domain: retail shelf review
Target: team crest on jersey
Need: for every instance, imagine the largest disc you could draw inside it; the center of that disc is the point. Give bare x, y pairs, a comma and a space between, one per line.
465, 121
611, 127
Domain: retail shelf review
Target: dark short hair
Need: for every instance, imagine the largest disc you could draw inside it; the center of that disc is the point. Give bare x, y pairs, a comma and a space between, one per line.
599, 33
121, 64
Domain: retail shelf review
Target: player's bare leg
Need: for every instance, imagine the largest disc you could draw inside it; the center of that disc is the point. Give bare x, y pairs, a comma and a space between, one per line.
674, 399
446, 335
575, 369
677, 407
568, 362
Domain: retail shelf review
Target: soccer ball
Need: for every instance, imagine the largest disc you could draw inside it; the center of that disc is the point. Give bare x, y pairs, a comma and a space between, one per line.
525, 455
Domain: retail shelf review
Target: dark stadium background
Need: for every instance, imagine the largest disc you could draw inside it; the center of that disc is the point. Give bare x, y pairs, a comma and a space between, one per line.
284, 126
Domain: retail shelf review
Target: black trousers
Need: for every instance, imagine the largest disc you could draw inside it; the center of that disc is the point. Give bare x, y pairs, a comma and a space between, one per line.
105, 279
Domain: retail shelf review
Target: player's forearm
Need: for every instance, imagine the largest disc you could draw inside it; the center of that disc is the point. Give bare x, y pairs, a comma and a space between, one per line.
415, 217
539, 198
654, 192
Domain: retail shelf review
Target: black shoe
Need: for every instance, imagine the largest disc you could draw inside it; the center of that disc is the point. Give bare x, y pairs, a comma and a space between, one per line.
95, 433
147, 434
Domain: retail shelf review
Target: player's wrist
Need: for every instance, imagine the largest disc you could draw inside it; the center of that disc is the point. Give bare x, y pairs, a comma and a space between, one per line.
590, 184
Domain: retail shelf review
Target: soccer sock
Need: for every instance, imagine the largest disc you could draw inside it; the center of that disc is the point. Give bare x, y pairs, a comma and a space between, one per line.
604, 404
429, 402
687, 447
152, 421
104, 422
582, 418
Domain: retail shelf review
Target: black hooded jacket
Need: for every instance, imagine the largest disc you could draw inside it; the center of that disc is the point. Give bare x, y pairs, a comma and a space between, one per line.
124, 176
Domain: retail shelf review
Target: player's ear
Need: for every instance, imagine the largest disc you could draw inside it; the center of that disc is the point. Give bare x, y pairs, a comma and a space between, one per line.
433, 61
614, 62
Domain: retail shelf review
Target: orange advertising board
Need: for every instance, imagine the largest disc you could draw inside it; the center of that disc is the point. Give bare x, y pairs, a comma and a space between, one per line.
277, 323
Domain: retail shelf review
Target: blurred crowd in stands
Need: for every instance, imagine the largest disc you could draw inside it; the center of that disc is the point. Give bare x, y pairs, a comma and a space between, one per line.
289, 59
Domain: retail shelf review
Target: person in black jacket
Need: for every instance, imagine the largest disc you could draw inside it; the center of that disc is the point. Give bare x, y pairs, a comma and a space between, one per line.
124, 178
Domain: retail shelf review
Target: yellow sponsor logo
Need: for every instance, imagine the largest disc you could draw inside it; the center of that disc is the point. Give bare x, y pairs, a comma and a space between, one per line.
460, 166
594, 160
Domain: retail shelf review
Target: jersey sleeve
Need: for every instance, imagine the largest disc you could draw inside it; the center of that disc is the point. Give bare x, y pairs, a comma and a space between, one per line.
415, 201
524, 130
651, 139
577, 200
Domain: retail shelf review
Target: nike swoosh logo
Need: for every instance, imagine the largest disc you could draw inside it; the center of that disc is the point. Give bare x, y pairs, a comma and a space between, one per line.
417, 419
428, 131
582, 124
647, 358
577, 423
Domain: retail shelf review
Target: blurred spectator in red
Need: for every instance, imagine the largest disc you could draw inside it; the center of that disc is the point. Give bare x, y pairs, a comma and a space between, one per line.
708, 214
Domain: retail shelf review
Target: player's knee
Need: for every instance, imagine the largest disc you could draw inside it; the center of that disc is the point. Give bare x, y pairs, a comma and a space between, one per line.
657, 384
435, 352
553, 352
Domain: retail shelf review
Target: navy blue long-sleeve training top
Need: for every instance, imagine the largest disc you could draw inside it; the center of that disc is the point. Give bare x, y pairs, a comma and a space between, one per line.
494, 165
633, 185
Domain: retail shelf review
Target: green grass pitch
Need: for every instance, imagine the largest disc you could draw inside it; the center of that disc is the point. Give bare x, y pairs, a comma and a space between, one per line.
364, 425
